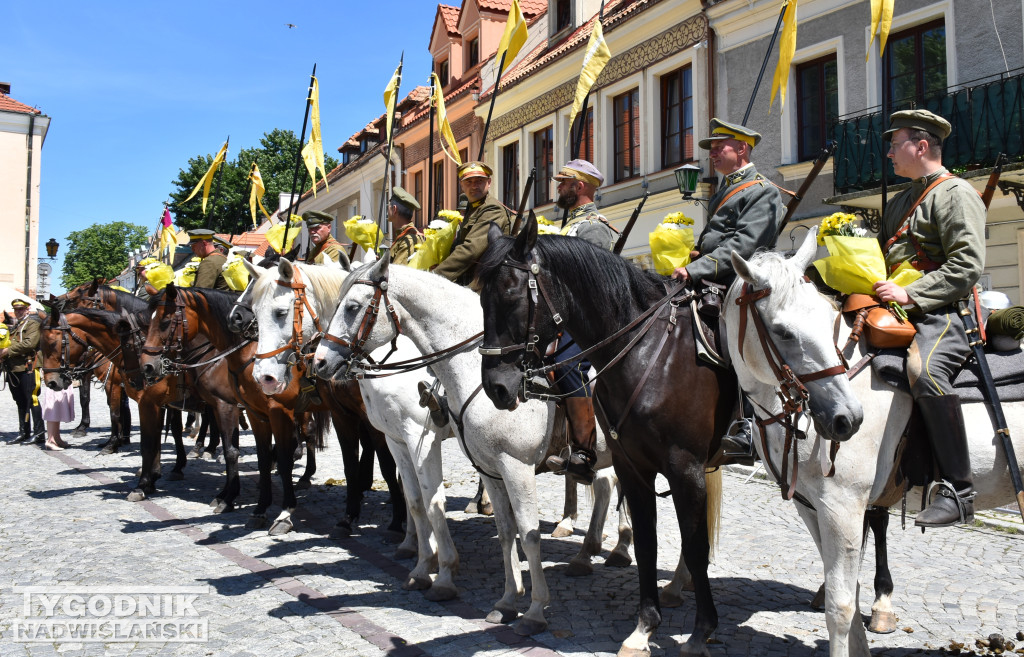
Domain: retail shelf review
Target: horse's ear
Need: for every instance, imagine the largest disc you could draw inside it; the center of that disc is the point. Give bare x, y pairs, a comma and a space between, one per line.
170, 294
285, 270
493, 233
526, 238
807, 251
379, 272
253, 270
343, 261
94, 286
747, 271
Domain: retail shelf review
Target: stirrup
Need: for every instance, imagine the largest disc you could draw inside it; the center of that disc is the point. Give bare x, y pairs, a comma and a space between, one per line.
741, 430
947, 490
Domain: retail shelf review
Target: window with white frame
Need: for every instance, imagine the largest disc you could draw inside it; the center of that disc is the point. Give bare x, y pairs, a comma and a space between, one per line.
817, 104
677, 117
543, 162
510, 175
626, 121
915, 64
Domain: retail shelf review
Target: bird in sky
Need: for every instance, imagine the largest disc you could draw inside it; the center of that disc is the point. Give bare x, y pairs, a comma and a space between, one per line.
290, 25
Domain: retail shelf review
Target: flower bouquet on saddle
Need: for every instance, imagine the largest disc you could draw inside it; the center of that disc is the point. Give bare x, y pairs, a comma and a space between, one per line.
671, 243
547, 227
363, 232
438, 237
854, 265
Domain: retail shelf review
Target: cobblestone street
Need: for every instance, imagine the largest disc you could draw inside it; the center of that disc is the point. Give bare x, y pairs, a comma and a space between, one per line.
64, 521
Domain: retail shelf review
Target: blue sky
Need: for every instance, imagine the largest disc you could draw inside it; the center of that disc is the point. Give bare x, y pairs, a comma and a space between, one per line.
134, 89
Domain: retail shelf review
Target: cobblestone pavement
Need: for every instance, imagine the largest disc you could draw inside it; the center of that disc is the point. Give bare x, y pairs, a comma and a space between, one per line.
64, 521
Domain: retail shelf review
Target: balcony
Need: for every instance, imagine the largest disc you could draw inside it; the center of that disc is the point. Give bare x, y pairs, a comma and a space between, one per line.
987, 119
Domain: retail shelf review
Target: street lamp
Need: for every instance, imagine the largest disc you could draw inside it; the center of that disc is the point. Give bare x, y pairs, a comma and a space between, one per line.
51, 248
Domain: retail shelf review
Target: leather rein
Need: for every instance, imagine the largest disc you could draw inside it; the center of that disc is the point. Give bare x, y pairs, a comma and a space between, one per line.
63, 368
295, 344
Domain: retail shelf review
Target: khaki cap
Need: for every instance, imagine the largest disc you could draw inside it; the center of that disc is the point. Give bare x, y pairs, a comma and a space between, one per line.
474, 170
315, 218
402, 197
918, 119
724, 130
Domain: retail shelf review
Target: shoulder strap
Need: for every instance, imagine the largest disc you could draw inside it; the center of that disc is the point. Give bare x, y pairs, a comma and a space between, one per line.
732, 192
905, 224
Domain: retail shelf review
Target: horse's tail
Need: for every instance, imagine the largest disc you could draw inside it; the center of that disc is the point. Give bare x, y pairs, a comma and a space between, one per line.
713, 486
321, 424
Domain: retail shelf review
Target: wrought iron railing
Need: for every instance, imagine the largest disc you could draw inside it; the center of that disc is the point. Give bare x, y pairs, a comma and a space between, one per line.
987, 119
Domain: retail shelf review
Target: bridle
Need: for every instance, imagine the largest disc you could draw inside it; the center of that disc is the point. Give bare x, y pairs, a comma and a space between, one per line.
176, 336
791, 390
63, 367
295, 343
369, 321
536, 291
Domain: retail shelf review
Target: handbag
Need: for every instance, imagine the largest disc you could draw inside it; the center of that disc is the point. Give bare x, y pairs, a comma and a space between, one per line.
878, 323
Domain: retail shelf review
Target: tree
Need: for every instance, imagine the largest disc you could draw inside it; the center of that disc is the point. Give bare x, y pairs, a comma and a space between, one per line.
100, 250
278, 152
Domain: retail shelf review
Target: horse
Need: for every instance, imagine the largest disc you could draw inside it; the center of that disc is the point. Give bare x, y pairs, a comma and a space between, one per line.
532, 287
343, 399
803, 326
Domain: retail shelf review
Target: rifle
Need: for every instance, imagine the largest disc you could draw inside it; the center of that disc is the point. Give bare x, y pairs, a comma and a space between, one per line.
621, 242
819, 164
522, 202
989, 387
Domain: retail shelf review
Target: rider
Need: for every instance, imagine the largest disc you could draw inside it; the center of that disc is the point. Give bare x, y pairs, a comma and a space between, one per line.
18, 360
400, 213
743, 216
323, 243
210, 272
577, 185
938, 225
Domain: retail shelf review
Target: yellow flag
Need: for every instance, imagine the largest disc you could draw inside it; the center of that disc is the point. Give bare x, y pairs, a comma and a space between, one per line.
256, 192
787, 48
443, 126
313, 151
594, 61
207, 178
881, 21
514, 38
389, 95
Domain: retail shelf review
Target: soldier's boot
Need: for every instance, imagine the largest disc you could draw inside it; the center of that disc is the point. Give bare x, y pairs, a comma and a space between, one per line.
953, 501
308, 395
738, 442
430, 400
583, 426
24, 431
39, 432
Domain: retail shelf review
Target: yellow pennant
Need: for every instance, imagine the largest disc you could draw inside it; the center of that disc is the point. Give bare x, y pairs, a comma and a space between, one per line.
207, 178
787, 48
594, 61
389, 95
443, 126
256, 193
881, 22
514, 38
313, 151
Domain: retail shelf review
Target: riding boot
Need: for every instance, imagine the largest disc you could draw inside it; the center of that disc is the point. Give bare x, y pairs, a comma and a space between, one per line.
738, 443
24, 431
953, 501
583, 425
429, 399
39, 432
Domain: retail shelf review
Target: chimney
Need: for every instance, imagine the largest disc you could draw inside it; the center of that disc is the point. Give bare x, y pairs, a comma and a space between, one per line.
5, 88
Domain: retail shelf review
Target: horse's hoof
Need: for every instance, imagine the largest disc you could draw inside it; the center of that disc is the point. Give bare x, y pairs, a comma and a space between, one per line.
403, 553
441, 593
256, 522
303, 484
690, 650
108, 449
174, 475
391, 536
579, 569
223, 507
79, 432
136, 496
281, 527
500, 616
818, 603
420, 583
473, 508
529, 626
618, 560
209, 456
561, 532
487, 509
882, 622
633, 652
669, 599
215, 502
194, 454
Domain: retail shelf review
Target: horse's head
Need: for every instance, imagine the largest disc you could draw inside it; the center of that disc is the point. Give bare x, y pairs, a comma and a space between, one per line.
798, 324
61, 350
363, 321
518, 321
169, 331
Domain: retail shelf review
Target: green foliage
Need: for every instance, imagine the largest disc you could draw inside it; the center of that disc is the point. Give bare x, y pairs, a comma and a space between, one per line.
100, 250
278, 152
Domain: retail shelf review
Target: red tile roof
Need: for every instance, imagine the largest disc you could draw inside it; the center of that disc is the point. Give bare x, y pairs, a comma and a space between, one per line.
529, 7
450, 16
8, 104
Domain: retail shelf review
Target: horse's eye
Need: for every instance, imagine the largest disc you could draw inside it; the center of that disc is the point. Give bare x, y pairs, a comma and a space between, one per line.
280, 313
351, 308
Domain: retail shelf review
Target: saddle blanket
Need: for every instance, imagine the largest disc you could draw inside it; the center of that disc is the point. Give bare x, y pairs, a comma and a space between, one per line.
1007, 371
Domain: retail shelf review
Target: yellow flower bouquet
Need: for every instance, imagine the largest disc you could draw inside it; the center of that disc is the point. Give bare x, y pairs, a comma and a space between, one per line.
276, 234
5, 336
363, 232
159, 275
186, 276
438, 238
671, 243
235, 273
547, 227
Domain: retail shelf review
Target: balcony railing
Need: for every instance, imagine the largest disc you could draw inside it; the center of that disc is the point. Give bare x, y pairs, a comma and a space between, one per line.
987, 119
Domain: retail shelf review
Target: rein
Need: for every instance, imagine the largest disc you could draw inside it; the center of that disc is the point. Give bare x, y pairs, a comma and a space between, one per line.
298, 287
75, 372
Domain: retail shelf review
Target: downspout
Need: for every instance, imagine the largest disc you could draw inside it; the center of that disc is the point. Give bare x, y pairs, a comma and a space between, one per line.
28, 204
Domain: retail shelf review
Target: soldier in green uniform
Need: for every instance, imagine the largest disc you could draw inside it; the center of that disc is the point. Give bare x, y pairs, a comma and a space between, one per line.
938, 225
577, 185
471, 240
19, 363
322, 241
210, 272
400, 213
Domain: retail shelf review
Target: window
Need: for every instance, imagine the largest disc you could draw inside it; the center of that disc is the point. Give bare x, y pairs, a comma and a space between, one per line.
543, 159
627, 135
677, 117
510, 175
473, 58
563, 14
442, 72
817, 104
438, 188
915, 64
464, 154
417, 192
587, 142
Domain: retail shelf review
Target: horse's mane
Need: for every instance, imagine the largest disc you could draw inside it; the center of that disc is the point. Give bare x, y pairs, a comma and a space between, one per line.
107, 318
324, 284
608, 278
220, 303
129, 302
786, 280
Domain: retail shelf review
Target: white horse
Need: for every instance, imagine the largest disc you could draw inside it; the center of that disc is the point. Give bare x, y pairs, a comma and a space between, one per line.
801, 323
505, 447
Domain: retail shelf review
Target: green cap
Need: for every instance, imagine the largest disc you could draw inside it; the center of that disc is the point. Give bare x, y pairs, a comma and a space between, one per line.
315, 218
724, 130
918, 119
198, 234
402, 197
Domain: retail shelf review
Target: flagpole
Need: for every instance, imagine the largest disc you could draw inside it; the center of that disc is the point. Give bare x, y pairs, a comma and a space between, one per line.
490, 110
764, 64
298, 162
245, 198
429, 209
216, 192
391, 143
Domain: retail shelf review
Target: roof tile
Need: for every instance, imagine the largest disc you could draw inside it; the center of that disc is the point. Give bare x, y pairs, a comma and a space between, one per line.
8, 104
450, 15
529, 7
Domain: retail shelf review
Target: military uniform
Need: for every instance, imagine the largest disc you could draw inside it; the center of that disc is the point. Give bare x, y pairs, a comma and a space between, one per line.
21, 378
586, 223
403, 207
404, 246
210, 272
471, 239
329, 247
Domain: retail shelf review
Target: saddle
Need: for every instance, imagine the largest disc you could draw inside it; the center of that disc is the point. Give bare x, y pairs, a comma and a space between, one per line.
705, 308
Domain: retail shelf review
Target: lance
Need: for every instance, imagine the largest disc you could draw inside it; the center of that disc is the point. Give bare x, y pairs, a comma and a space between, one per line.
582, 118
429, 209
245, 196
298, 164
522, 201
764, 64
621, 242
490, 110
391, 141
819, 164
216, 192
